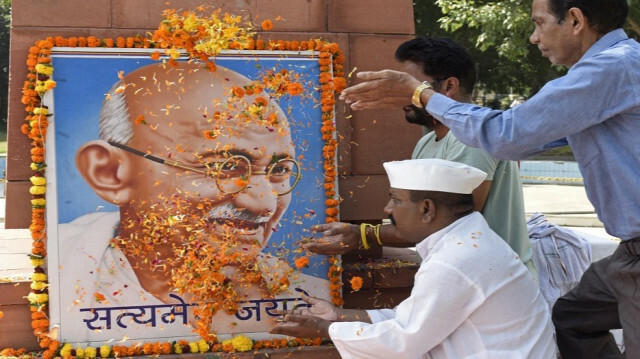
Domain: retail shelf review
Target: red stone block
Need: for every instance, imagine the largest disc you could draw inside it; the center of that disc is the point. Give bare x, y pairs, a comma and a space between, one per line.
61, 13
18, 214
147, 14
364, 197
375, 298
390, 277
15, 325
374, 52
381, 136
297, 15
371, 16
351, 271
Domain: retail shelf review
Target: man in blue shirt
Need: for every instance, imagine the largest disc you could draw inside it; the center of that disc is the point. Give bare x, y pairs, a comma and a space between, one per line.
595, 108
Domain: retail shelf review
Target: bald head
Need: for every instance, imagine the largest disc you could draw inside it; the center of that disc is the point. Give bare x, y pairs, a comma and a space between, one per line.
186, 98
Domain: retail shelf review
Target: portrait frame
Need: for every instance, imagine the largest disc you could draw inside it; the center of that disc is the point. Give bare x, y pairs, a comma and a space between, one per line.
330, 82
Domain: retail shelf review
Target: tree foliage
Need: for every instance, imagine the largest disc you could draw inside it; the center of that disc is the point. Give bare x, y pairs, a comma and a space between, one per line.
496, 33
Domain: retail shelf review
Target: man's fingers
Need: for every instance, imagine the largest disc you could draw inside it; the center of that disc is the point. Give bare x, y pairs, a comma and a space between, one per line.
294, 318
310, 300
372, 75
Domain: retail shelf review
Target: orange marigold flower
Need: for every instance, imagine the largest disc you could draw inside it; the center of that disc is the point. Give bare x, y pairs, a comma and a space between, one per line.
302, 262
356, 283
108, 42
155, 55
331, 202
99, 296
211, 66
120, 42
266, 25
295, 88
260, 101
331, 212
92, 41
237, 91
209, 135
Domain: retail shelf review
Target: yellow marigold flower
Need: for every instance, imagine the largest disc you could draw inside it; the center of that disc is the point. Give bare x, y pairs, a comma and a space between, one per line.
177, 348
50, 84
241, 343
65, 352
44, 69
190, 23
40, 87
38, 181
37, 166
203, 347
173, 53
39, 277
36, 262
105, 350
36, 190
38, 298
90, 352
38, 202
80, 352
193, 347
40, 111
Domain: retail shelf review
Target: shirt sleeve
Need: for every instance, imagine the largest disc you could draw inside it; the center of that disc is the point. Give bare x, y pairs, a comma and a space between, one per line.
592, 91
441, 301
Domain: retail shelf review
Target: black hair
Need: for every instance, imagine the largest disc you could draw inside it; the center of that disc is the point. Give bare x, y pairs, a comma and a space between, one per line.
603, 15
459, 204
441, 58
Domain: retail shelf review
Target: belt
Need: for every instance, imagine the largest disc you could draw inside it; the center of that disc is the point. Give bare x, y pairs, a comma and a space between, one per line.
633, 246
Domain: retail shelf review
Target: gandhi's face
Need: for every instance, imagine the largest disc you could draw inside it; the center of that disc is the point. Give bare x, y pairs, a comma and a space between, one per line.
197, 128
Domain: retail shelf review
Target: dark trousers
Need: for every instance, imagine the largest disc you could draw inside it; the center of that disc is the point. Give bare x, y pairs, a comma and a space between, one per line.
607, 297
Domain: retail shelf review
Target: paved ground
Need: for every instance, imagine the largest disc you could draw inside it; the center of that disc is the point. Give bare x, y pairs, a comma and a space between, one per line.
562, 204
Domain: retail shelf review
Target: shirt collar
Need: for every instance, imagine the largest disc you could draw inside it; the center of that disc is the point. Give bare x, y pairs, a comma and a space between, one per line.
423, 248
609, 39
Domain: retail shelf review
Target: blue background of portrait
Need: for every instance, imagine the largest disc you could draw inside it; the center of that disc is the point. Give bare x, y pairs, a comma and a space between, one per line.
83, 81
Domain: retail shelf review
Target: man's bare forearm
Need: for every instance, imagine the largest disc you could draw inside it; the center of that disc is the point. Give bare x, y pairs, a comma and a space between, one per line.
353, 315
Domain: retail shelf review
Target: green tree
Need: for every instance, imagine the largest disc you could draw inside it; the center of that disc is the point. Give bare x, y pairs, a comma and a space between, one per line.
496, 33
496, 36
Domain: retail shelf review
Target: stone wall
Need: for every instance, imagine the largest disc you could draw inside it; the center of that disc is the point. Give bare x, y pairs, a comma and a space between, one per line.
368, 31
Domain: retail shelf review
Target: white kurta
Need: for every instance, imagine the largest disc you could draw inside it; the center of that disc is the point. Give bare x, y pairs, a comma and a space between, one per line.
472, 298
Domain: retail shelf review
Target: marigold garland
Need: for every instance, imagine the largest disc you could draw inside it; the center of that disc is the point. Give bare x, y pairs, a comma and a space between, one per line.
186, 31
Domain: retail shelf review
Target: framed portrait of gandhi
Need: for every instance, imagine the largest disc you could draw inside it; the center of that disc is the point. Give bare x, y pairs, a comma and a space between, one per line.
178, 193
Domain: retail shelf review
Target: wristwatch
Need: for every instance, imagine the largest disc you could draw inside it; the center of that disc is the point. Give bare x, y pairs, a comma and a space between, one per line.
415, 99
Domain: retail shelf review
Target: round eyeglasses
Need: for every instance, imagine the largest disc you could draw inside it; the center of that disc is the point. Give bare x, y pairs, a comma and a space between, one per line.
232, 175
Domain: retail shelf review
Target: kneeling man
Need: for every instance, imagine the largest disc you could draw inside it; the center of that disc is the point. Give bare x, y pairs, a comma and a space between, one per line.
472, 295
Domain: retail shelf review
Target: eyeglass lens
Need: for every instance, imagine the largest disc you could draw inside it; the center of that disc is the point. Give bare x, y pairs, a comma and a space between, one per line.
232, 176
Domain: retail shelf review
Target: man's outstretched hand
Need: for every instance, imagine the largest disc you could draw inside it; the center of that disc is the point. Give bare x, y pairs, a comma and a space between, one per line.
337, 238
308, 322
302, 326
380, 89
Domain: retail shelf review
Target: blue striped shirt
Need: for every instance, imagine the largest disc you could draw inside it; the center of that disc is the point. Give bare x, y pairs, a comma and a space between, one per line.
595, 108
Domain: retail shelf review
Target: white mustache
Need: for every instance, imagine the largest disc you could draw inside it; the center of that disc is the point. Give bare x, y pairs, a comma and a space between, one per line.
231, 212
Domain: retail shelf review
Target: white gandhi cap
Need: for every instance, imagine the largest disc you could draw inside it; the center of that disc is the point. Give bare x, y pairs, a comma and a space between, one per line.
434, 175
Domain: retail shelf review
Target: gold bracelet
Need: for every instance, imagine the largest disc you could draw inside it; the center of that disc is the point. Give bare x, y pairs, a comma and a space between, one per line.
376, 231
363, 235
